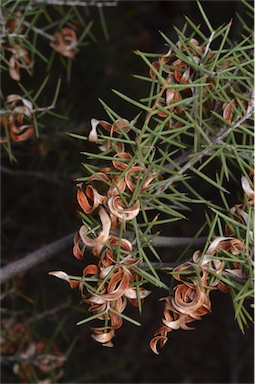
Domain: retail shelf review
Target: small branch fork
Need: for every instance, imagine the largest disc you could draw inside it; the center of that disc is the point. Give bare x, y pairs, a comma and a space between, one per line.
41, 255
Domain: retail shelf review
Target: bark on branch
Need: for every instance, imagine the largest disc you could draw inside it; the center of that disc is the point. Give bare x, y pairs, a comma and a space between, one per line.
33, 259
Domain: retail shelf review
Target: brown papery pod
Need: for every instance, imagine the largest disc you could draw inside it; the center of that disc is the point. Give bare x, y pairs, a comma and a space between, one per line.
104, 234
121, 165
117, 208
65, 43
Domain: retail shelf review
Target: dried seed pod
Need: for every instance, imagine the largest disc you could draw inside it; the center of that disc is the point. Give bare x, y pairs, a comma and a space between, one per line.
121, 165
65, 43
90, 195
118, 125
133, 174
118, 209
104, 234
18, 108
19, 59
103, 336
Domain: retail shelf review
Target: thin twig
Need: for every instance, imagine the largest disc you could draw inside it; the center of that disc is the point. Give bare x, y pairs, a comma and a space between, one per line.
39, 31
46, 313
172, 242
40, 175
160, 265
77, 3
28, 262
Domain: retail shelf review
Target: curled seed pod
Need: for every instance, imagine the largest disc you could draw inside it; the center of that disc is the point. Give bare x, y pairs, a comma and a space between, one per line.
188, 299
90, 195
78, 248
104, 234
115, 241
19, 105
116, 187
121, 165
19, 59
103, 336
65, 43
21, 133
117, 208
133, 173
120, 125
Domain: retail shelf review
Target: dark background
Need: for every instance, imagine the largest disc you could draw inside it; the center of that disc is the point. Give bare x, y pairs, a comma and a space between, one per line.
36, 211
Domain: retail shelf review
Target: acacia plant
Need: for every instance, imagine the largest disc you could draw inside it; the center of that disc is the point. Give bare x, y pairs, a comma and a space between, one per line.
192, 131
198, 111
